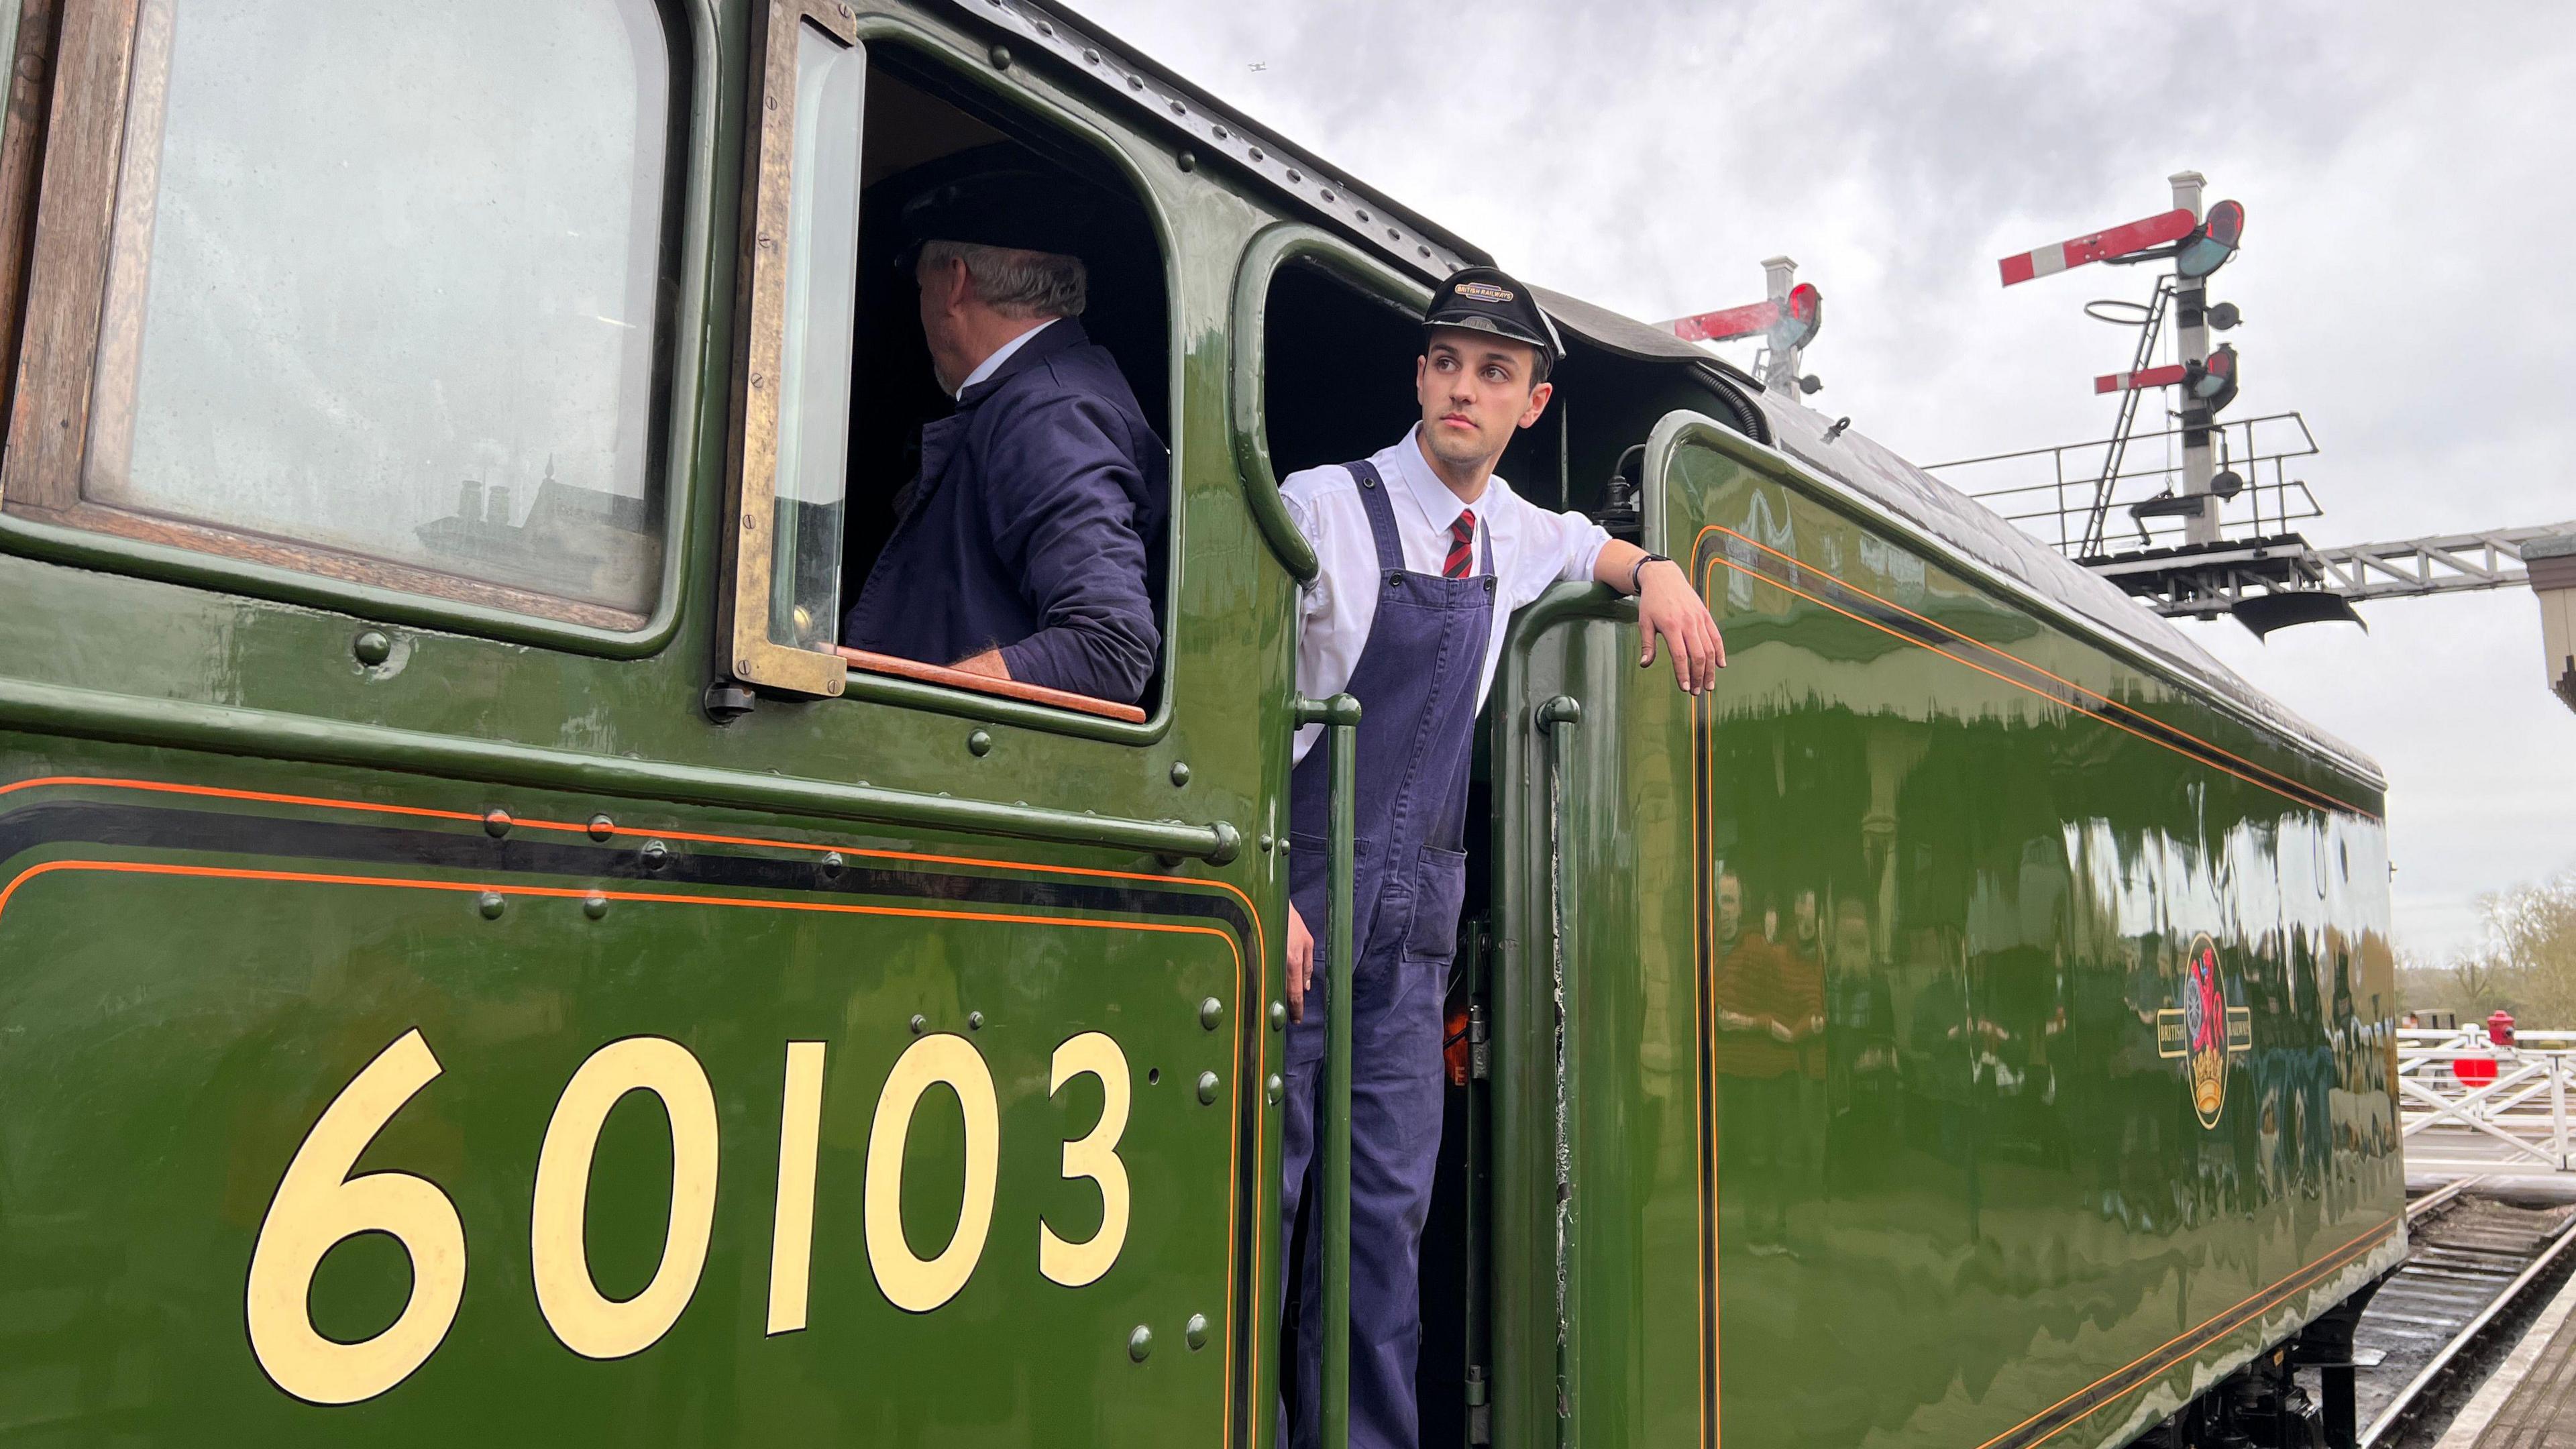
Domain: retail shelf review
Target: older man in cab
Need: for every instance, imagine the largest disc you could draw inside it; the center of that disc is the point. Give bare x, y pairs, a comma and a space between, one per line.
1424, 555
1027, 547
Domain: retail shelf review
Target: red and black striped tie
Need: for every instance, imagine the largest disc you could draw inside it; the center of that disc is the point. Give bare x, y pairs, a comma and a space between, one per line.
1462, 545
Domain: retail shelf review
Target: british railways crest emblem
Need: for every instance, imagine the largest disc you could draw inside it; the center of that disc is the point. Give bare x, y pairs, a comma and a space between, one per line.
2204, 1030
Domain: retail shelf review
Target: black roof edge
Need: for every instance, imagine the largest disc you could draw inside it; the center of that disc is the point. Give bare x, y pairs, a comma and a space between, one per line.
1214, 129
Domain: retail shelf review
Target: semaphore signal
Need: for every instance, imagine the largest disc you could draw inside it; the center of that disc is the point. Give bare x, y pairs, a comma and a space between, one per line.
1787, 320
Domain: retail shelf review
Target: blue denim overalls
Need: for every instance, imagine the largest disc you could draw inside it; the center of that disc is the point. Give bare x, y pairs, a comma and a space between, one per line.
1416, 681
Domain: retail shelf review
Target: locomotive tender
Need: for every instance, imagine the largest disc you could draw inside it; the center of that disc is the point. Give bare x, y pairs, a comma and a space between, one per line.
481, 962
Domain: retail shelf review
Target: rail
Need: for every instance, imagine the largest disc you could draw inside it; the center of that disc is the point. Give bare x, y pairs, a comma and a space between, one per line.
2084, 479
1340, 716
2475, 1269
2469, 1106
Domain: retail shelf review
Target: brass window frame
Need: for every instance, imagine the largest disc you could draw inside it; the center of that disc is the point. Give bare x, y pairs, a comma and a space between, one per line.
71, 101
751, 491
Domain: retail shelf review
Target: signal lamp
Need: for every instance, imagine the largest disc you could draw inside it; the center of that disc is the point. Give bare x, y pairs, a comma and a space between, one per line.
2212, 242
1800, 319
2214, 381
2224, 317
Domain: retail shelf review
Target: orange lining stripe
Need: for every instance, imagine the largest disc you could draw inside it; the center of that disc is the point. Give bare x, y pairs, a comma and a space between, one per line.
1704, 778
1234, 1171
2026, 664
2278, 1289
2061, 704
217, 872
1260, 943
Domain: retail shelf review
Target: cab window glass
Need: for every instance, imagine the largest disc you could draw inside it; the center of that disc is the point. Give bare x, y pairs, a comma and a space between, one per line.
381, 287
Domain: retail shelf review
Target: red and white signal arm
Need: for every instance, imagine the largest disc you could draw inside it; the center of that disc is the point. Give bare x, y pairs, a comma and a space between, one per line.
2140, 380
2118, 241
1791, 322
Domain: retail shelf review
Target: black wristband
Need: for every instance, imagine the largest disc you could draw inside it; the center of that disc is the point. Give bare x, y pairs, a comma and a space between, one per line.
1637, 573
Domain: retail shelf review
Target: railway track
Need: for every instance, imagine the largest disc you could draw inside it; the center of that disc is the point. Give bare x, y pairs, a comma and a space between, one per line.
2485, 1256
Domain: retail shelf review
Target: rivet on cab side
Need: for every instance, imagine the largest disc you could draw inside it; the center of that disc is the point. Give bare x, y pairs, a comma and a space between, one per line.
1211, 1011
1274, 1089
1279, 1016
1140, 1344
656, 855
1195, 1333
496, 822
595, 905
920, 1024
1207, 1089
601, 827
1180, 772
974, 1021
373, 647
979, 743
491, 904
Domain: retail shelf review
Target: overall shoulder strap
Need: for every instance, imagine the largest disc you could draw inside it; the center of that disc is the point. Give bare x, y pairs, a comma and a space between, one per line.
1381, 515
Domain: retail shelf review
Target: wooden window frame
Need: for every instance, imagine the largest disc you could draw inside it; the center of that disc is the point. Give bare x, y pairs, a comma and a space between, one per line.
72, 100
752, 485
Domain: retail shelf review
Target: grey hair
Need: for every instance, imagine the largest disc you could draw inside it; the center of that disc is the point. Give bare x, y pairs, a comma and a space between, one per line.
1016, 283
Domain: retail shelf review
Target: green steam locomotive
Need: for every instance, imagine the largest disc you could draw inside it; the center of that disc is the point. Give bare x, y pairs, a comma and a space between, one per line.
483, 962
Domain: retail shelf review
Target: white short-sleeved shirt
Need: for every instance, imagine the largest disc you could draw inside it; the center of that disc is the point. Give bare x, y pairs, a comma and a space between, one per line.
1532, 549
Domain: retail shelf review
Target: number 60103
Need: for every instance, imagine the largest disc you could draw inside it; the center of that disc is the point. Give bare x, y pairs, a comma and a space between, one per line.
318, 1204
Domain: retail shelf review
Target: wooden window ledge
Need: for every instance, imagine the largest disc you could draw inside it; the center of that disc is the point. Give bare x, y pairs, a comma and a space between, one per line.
985, 684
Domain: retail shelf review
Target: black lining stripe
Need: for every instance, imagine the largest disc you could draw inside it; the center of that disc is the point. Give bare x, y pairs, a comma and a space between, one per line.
1919, 631
167, 828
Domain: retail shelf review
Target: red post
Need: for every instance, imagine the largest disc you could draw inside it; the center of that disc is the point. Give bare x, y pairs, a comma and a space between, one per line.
2500, 1028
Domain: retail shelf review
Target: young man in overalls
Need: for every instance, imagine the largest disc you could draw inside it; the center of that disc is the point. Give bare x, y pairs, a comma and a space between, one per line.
1424, 555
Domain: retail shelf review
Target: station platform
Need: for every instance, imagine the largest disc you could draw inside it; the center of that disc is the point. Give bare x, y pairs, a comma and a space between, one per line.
2530, 1400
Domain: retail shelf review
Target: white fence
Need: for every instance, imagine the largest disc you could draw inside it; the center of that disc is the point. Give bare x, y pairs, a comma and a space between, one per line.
2469, 1106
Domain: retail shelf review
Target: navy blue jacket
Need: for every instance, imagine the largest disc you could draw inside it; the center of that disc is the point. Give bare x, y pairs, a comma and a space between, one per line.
1036, 525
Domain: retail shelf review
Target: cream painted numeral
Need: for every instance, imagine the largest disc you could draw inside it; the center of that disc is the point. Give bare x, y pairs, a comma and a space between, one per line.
317, 1205
1095, 1157
589, 1323
918, 1285
791, 1240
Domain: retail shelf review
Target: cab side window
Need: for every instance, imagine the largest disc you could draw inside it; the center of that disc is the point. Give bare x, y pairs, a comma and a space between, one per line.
367, 290
859, 130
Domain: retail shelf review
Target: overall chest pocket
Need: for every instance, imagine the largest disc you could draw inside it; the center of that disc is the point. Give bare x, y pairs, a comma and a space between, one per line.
1439, 890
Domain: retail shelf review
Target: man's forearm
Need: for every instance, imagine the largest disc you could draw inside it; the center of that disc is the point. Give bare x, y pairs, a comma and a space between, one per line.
1617, 566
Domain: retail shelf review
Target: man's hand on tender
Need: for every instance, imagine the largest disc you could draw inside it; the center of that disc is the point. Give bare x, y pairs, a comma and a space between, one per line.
1301, 963
1667, 605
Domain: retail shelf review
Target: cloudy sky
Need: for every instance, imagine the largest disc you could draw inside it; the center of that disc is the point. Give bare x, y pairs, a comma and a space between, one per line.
2410, 183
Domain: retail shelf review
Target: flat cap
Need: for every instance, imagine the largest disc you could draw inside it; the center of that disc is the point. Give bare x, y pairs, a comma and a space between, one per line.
1484, 299
1020, 209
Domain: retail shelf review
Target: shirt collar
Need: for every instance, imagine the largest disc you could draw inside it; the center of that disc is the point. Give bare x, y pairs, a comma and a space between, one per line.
1432, 496
1002, 354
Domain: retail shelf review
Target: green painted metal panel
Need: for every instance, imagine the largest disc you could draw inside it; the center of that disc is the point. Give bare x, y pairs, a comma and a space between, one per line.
1996, 1031
193, 979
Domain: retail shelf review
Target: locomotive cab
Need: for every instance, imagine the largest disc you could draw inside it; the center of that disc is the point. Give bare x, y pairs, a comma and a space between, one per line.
1339, 343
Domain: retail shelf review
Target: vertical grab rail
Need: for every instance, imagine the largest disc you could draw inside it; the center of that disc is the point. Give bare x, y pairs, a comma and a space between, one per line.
1556, 719
1340, 717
